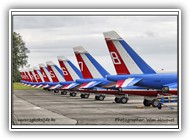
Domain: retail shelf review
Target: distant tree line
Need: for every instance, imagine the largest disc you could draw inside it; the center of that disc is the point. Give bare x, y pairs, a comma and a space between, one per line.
19, 56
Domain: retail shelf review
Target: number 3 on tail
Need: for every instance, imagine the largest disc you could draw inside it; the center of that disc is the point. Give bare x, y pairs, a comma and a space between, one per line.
115, 58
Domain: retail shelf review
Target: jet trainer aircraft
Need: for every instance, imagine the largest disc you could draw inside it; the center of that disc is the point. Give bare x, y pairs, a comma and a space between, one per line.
71, 72
95, 76
135, 76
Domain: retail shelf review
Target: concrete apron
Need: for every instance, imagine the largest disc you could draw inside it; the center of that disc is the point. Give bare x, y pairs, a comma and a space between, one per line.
27, 113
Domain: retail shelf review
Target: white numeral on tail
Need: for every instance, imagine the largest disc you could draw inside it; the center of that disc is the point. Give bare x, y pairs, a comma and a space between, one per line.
52, 74
115, 58
43, 74
64, 71
37, 76
81, 65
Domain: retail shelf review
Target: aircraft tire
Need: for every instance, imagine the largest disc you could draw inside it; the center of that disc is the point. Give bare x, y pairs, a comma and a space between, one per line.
73, 94
155, 103
117, 100
96, 97
146, 102
124, 100
63, 92
101, 97
159, 106
82, 95
56, 91
86, 96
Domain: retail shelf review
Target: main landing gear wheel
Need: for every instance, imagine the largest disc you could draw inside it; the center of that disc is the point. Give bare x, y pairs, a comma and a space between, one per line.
146, 102
124, 100
56, 91
96, 97
82, 95
101, 97
86, 96
63, 92
73, 94
155, 103
117, 100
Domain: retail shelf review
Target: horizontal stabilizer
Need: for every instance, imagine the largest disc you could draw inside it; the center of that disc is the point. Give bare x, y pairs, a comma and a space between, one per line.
70, 86
46, 86
39, 86
90, 84
127, 82
56, 86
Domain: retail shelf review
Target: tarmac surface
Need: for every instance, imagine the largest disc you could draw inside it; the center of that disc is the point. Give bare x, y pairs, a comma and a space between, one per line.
45, 107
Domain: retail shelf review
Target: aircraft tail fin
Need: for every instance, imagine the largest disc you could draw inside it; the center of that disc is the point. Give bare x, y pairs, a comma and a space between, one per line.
55, 72
124, 58
70, 71
45, 73
32, 75
23, 76
38, 74
28, 76
89, 67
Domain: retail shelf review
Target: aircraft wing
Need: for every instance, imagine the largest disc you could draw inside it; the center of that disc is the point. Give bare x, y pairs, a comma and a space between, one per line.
89, 85
127, 82
70, 86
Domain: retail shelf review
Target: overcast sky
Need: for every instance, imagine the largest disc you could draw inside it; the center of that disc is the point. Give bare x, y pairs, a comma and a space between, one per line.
154, 38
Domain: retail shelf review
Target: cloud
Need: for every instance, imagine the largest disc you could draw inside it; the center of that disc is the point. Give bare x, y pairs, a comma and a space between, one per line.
153, 37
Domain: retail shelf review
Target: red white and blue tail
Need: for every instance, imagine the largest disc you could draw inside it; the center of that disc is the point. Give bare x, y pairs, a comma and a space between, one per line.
45, 73
32, 75
38, 75
124, 58
23, 76
70, 71
28, 76
55, 72
89, 67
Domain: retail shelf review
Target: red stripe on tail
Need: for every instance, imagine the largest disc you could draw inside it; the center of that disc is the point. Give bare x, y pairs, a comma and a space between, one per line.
29, 78
46, 79
84, 69
32, 77
66, 73
119, 65
52, 74
37, 76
